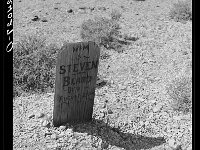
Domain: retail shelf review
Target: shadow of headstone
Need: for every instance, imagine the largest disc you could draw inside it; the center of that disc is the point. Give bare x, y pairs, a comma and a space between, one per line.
115, 137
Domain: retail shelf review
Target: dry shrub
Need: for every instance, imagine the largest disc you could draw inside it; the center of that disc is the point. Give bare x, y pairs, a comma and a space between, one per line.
181, 11
102, 31
180, 90
115, 15
33, 65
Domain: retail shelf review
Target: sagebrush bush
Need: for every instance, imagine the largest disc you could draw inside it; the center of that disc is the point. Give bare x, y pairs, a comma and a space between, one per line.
181, 11
180, 90
33, 65
102, 31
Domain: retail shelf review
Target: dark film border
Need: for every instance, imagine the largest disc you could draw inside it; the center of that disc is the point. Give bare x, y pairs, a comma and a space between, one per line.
195, 38
7, 74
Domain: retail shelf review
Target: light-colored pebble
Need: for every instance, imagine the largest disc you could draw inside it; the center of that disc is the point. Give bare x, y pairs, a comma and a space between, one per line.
171, 143
69, 132
51, 146
39, 115
157, 108
62, 127
45, 123
31, 116
54, 136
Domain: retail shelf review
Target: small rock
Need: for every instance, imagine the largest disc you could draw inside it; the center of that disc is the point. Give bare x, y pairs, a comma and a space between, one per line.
150, 115
122, 87
41, 120
115, 148
45, 123
31, 116
146, 123
49, 117
141, 123
82, 11
100, 83
61, 134
82, 8
172, 143
178, 147
69, 132
44, 20
39, 115
104, 106
157, 108
62, 127
111, 82
35, 136
31, 128
110, 111
102, 8
54, 136
91, 9
70, 11
36, 18
52, 146
141, 99
60, 145
47, 133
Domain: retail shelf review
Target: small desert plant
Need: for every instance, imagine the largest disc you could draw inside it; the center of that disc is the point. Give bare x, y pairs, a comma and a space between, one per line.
180, 90
181, 11
130, 38
115, 15
33, 65
101, 30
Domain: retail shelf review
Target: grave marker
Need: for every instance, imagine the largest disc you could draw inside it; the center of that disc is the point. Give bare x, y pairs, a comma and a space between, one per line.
76, 75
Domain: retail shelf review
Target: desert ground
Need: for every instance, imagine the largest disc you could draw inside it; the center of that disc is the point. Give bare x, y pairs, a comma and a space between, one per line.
133, 110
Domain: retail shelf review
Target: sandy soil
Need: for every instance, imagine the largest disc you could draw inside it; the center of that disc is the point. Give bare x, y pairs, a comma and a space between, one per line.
135, 95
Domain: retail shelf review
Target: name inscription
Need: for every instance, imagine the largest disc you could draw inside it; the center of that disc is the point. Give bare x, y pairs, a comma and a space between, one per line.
81, 67
77, 69
67, 80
